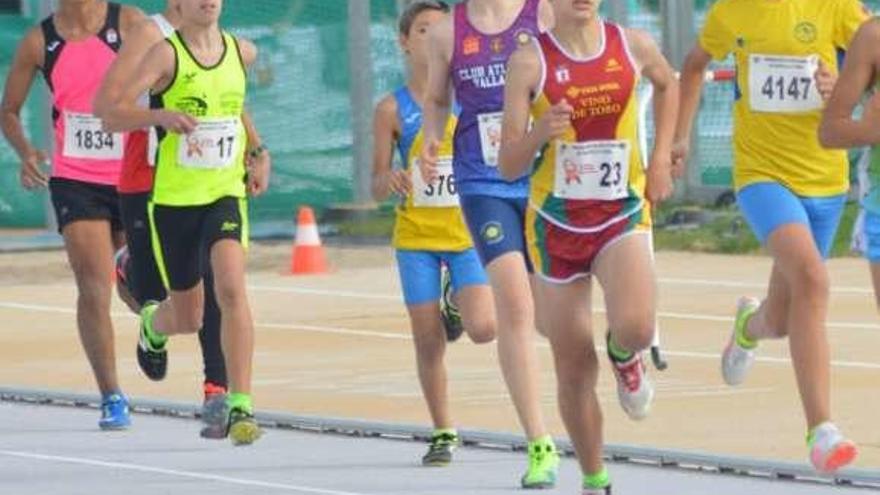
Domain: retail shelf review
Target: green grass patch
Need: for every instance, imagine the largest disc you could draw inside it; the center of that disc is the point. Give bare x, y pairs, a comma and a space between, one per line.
722, 231
379, 224
727, 232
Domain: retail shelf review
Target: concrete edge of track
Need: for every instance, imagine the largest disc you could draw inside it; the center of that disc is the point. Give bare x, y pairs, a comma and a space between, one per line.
629, 454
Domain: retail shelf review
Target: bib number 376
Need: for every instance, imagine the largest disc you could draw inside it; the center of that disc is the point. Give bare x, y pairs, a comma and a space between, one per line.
440, 194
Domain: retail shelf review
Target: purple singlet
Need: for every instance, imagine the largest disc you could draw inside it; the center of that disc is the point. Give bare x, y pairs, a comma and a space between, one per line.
478, 68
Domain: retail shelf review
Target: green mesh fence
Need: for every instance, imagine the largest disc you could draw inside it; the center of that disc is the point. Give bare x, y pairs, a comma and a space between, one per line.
299, 96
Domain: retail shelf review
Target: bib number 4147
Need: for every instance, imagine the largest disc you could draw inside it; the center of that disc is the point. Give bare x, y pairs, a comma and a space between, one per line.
783, 84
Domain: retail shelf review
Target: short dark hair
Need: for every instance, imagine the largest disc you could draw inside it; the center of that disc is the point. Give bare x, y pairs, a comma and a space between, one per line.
410, 13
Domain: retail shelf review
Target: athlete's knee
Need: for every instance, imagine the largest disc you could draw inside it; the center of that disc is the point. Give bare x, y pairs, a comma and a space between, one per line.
230, 295
430, 344
635, 331
481, 329
577, 366
810, 280
516, 320
94, 291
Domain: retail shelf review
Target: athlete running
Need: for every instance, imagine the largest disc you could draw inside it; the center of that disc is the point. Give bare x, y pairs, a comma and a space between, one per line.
429, 231
468, 52
136, 266
197, 82
590, 203
73, 49
790, 190
858, 80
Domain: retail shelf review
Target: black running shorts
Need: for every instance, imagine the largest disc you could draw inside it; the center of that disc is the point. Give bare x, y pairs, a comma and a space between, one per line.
74, 200
183, 235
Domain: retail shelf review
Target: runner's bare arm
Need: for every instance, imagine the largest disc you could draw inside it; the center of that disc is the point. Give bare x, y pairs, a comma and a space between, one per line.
838, 128
248, 51
691, 90
657, 70
518, 144
386, 128
156, 73
130, 18
135, 47
438, 94
257, 158
28, 59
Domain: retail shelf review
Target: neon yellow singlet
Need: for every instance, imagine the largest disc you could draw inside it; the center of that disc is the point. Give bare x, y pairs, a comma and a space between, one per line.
777, 109
208, 164
430, 219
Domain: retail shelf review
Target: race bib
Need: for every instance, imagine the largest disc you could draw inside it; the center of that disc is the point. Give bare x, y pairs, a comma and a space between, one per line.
783, 84
490, 136
442, 193
597, 170
213, 144
84, 138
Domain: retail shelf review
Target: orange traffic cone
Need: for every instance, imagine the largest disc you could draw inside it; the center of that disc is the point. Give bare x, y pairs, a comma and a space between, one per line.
308, 255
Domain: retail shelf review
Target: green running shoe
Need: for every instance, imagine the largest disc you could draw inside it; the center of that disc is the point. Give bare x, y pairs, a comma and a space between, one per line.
440, 449
242, 428
543, 465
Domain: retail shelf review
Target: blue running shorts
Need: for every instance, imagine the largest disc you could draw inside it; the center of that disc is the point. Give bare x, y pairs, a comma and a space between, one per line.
420, 273
770, 205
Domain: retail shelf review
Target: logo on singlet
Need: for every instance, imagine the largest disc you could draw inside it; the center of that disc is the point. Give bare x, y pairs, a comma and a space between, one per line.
806, 32
562, 74
470, 45
188, 78
112, 36
613, 66
52, 46
194, 106
497, 45
523, 37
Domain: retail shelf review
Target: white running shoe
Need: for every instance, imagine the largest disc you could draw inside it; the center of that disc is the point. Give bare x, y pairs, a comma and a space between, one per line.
634, 390
830, 450
736, 361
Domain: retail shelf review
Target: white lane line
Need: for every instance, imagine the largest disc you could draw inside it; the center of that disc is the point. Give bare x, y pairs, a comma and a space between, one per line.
172, 472
682, 281
336, 330
406, 336
694, 282
663, 314
734, 284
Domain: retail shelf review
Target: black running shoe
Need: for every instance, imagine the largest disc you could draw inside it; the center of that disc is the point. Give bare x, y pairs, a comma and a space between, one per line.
153, 362
449, 312
440, 449
123, 287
